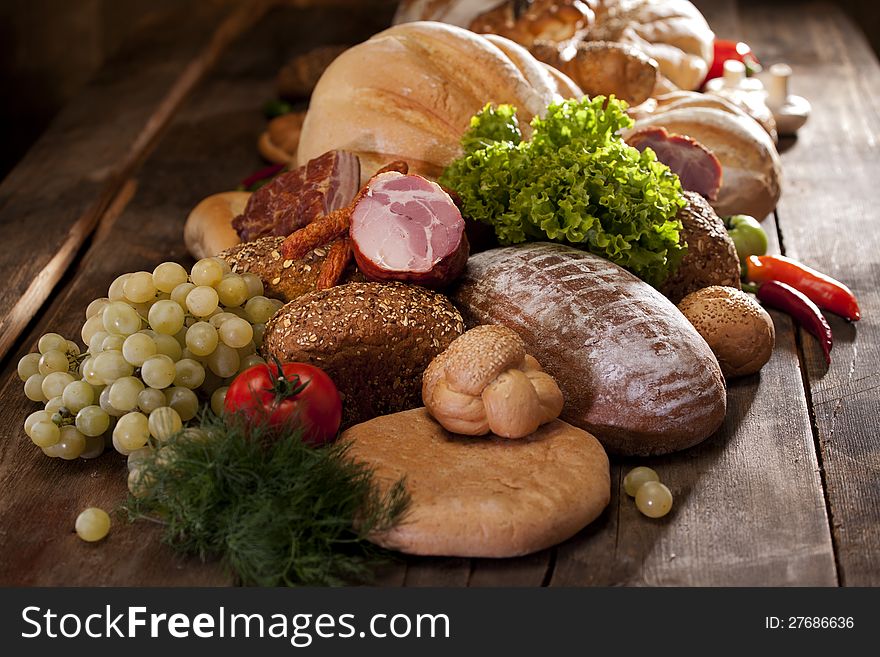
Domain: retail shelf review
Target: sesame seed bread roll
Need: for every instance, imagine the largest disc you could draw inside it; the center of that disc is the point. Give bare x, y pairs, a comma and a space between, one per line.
283, 278
374, 340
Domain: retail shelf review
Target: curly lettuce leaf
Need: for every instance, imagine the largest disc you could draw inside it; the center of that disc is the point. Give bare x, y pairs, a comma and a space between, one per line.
576, 181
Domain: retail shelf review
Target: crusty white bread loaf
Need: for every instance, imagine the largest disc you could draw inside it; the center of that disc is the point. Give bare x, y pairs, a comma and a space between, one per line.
632, 369
208, 229
752, 171
673, 32
523, 22
482, 497
409, 93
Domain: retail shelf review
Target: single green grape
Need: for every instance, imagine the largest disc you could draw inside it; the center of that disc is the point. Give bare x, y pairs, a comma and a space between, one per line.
53, 361
71, 445
52, 342
636, 477
92, 421
218, 399
45, 434
28, 366
654, 499
164, 422
92, 525
169, 275
207, 271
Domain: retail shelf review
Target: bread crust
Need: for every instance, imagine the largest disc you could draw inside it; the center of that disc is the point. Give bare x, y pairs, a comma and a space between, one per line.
632, 369
373, 339
283, 278
208, 229
711, 255
409, 93
483, 497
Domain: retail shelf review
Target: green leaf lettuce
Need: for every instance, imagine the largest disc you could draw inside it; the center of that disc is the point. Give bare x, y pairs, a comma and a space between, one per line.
576, 181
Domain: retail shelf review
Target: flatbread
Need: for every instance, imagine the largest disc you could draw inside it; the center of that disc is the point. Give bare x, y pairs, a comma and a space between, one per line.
483, 496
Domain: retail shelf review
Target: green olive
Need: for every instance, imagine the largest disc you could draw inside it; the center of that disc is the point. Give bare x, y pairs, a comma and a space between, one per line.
747, 235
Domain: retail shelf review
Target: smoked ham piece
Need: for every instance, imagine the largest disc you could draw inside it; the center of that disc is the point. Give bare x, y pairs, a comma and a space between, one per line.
406, 228
697, 167
296, 198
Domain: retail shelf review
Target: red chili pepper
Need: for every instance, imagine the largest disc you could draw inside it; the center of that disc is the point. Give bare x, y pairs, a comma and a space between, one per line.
824, 291
263, 176
806, 313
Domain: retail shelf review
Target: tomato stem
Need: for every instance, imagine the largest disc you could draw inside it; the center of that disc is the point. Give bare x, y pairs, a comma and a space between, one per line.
282, 387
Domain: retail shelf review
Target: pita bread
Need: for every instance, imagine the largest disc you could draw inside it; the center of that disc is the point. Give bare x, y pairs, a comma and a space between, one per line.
483, 497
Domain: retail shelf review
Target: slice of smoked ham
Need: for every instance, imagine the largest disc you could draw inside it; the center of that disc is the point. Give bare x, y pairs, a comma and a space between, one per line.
697, 167
406, 228
296, 198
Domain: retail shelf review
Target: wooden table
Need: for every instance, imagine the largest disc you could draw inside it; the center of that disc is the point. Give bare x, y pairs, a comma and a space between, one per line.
786, 493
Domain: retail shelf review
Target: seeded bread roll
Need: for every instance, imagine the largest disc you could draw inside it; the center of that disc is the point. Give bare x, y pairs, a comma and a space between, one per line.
374, 340
711, 256
282, 278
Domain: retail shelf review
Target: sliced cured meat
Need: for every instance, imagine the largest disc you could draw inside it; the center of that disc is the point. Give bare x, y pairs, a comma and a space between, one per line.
406, 228
298, 197
697, 167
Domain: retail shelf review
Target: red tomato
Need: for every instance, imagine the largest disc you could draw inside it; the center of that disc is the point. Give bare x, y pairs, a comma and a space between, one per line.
724, 50
302, 393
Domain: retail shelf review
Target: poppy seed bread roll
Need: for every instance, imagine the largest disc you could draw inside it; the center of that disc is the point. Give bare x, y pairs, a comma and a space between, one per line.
374, 340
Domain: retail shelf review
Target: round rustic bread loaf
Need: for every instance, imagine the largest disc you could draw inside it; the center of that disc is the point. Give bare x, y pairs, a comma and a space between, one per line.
373, 339
673, 32
751, 169
408, 93
483, 497
711, 256
632, 369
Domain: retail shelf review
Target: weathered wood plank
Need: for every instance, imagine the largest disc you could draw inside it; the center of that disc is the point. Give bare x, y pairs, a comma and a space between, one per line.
208, 147
749, 508
828, 216
435, 571
47, 211
530, 570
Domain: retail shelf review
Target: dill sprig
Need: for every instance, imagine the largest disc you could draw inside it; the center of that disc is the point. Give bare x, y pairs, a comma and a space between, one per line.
276, 510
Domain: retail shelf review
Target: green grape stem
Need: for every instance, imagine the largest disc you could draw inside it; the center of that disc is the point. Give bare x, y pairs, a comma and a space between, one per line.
63, 417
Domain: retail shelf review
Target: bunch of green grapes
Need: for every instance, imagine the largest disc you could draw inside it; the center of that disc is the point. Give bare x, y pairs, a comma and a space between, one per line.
159, 345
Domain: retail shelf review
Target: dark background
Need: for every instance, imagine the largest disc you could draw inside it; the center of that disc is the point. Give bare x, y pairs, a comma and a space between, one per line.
50, 48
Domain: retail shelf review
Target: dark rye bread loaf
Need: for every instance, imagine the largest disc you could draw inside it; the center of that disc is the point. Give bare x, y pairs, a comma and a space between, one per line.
374, 340
631, 367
